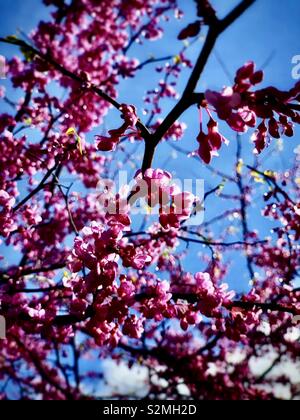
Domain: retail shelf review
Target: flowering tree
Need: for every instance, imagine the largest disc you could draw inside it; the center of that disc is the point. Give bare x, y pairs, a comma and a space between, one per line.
91, 284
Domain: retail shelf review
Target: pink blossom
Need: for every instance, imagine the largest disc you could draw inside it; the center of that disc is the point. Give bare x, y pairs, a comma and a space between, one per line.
128, 113
133, 327
260, 138
210, 143
82, 278
133, 258
224, 102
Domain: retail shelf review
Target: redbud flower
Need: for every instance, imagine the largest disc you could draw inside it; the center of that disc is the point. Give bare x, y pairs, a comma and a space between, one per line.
210, 143
133, 327
106, 144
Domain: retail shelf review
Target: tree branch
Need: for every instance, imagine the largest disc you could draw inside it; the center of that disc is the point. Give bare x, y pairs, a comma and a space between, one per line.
36, 190
48, 59
28, 271
189, 97
221, 244
244, 205
274, 307
235, 14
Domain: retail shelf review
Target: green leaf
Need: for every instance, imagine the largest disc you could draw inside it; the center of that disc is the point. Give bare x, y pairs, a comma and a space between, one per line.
72, 132
13, 39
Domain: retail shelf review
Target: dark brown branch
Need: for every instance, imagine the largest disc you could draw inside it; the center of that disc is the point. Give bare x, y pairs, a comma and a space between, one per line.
40, 290
66, 199
189, 97
154, 140
48, 59
35, 270
40, 368
294, 107
68, 319
36, 190
243, 205
221, 244
274, 307
22, 110
269, 370
152, 61
166, 357
235, 14
200, 241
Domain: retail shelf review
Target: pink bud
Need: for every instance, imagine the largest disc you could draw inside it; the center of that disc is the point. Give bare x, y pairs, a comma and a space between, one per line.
190, 31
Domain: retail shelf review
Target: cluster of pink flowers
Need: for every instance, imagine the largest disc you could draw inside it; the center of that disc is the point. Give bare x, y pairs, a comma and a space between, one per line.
289, 215
17, 158
202, 294
211, 297
126, 67
272, 105
98, 251
179, 210
97, 284
156, 188
99, 247
230, 104
156, 302
165, 89
240, 107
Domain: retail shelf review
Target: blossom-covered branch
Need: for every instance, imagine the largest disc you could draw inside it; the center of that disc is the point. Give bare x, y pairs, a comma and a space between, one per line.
133, 276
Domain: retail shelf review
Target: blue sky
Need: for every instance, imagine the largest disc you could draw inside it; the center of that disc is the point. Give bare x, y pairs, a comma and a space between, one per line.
269, 31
